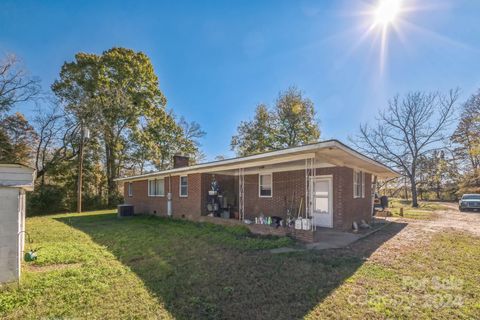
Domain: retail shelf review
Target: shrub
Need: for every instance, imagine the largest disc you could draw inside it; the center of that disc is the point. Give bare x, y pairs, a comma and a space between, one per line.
47, 199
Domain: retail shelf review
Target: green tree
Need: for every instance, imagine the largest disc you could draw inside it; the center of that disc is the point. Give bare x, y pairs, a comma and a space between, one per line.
467, 134
435, 172
111, 93
254, 136
292, 122
16, 135
117, 96
466, 140
17, 140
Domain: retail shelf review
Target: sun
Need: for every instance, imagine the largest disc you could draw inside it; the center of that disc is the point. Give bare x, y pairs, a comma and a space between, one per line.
386, 12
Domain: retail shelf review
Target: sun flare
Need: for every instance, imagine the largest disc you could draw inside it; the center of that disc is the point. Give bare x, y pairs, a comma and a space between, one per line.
386, 12
387, 23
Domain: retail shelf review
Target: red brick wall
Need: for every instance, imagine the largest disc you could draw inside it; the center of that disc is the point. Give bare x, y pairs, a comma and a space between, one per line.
187, 206
346, 209
180, 161
285, 185
181, 206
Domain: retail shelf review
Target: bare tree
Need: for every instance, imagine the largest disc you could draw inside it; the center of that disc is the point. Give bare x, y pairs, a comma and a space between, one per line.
57, 135
193, 133
219, 157
408, 129
15, 84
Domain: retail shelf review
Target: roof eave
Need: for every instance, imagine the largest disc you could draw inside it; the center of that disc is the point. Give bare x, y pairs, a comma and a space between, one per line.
302, 149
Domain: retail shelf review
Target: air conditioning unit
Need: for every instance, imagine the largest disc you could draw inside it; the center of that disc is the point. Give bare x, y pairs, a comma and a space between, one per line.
125, 210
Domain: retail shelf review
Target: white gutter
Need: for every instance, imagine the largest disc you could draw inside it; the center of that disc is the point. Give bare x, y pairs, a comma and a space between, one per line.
272, 154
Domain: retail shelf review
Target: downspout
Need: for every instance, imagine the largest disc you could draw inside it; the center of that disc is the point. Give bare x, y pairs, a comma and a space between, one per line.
169, 197
374, 187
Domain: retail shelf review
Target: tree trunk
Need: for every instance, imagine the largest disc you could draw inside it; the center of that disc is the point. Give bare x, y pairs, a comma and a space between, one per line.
110, 166
80, 173
413, 186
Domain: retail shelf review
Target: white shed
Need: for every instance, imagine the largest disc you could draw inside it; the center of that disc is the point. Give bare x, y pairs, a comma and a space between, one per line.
15, 180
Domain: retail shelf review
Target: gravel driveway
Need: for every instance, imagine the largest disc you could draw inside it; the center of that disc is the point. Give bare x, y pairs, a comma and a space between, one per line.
405, 235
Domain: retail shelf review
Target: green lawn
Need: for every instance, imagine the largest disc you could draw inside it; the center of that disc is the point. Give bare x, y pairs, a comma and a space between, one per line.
96, 266
425, 211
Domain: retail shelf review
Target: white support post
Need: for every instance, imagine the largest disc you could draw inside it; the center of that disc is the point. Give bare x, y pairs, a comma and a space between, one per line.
374, 187
241, 194
313, 174
307, 188
310, 174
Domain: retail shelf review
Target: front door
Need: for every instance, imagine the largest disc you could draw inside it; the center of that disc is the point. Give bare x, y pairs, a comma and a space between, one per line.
322, 202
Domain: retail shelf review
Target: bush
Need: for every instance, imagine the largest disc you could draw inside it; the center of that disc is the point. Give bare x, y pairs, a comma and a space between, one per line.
47, 199
93, 202
116, 199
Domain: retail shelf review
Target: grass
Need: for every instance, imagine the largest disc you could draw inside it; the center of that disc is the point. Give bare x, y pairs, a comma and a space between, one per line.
425, 211
436, 282
96, 266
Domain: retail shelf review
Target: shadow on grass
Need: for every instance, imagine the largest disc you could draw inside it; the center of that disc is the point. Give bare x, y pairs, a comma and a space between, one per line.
203, 271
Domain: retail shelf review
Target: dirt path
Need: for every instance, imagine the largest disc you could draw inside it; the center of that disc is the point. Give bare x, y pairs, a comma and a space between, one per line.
412, 234
450, 218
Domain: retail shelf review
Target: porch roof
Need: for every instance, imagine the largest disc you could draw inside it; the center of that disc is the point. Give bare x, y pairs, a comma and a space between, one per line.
332, 152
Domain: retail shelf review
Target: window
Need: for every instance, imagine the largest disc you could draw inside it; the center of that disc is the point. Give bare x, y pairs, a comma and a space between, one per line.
183, 186
130, 189
358, 184
265, 185
156, 188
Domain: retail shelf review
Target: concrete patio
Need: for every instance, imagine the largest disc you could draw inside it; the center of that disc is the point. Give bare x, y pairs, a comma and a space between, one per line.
326, 238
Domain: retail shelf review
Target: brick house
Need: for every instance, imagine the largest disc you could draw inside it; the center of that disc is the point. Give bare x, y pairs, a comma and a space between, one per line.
327, 182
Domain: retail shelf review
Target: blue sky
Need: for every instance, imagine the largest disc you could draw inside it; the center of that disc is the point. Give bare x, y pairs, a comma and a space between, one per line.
216, 60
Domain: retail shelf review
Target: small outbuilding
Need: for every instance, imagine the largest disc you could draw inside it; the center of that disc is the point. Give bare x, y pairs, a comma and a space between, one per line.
15, 181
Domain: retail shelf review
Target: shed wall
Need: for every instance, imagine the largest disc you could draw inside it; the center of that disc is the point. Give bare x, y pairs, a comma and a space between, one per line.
9, 238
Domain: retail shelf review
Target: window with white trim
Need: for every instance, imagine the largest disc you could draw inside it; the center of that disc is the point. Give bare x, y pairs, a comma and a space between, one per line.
265, 185
156, 187
183, 186
130, 189
358, 184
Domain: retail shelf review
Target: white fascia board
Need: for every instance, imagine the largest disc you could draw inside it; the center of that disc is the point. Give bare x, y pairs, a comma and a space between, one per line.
272, 157
389, 172
17, 185
224, 166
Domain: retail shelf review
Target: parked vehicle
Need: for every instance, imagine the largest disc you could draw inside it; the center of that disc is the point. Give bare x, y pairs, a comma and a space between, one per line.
469, 202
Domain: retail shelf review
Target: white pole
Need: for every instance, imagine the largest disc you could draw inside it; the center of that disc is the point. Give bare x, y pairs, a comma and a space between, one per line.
241, 194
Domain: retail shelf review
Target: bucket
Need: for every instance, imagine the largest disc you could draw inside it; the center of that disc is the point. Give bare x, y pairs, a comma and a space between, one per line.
306, 224
298, 224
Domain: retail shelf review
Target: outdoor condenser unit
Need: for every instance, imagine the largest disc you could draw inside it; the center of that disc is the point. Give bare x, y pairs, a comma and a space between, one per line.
125, 210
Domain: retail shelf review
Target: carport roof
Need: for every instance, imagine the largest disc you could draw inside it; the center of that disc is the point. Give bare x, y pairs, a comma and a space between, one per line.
329, 151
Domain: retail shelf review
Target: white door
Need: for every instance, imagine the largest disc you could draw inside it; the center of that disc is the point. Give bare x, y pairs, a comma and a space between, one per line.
322, 202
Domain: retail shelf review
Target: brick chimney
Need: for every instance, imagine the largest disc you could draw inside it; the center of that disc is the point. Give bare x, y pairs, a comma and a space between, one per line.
180, 161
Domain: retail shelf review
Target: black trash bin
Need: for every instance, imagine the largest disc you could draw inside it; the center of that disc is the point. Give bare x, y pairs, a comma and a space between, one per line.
384, 202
